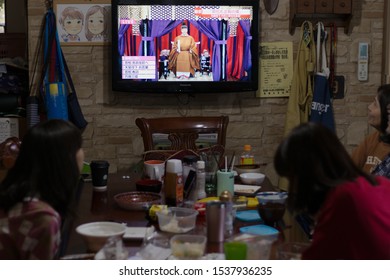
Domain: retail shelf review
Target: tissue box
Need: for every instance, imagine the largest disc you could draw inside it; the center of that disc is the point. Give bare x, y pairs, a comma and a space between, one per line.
9, 127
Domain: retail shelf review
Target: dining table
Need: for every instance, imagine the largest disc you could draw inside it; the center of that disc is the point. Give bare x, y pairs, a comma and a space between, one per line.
99, 205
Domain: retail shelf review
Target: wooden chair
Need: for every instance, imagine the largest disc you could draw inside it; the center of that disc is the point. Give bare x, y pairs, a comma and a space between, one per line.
182, 132
9, 151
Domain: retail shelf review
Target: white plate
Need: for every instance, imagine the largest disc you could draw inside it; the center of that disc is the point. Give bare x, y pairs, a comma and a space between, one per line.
246, 189
135, 232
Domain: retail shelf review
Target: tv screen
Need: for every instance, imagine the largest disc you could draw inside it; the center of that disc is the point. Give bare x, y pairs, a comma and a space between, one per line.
189, 46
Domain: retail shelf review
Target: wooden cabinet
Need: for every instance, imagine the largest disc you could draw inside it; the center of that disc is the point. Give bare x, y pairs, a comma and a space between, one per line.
304, 6
343, 7
338, 12
323, 7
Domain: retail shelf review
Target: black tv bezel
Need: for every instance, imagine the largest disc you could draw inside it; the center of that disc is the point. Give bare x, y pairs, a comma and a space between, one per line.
121, 85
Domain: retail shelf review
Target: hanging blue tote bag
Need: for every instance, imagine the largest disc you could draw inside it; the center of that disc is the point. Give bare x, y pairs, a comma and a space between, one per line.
321, 107
55, 79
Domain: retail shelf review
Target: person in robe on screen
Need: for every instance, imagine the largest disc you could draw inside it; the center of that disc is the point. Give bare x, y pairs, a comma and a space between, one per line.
184, 58
205, 63
163, 64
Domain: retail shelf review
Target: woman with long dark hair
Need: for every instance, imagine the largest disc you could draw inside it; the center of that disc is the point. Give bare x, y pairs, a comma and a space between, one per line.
38, 191
376, 146
351, 208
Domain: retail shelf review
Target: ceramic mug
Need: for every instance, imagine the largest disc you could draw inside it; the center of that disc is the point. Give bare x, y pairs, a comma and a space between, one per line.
154, 169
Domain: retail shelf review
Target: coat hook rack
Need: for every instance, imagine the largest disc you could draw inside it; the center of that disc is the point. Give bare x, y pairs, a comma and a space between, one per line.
49, 4
331, 12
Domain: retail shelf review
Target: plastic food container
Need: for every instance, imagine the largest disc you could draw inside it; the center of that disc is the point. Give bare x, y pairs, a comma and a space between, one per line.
177, 219
187, 246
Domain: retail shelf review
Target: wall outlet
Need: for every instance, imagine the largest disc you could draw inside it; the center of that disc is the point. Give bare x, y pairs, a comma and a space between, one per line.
338, 87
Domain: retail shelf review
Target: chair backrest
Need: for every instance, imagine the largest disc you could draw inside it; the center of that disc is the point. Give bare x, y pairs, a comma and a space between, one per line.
181, 133
9, 151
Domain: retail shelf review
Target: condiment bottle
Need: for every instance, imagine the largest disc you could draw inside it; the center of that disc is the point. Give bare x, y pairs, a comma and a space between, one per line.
247, 157
227, 198
215, 221
200, 190
189, 163
173, 183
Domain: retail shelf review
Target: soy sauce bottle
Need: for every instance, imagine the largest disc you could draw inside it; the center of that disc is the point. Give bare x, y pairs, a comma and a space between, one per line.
173, 183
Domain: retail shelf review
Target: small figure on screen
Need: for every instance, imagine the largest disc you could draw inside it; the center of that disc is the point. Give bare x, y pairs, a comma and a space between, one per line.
72, 22
163, 64
205, 65
184, 59
97, 24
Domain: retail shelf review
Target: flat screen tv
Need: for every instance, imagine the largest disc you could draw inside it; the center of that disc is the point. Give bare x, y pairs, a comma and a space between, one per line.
185, 46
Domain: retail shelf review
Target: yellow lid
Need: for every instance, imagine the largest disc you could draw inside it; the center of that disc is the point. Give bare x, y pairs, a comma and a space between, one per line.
252, 201
247, 147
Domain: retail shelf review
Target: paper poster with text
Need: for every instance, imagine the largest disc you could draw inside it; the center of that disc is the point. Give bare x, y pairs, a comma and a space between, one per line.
276, 69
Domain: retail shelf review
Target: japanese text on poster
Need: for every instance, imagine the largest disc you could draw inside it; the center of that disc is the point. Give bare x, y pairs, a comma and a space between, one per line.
276, 69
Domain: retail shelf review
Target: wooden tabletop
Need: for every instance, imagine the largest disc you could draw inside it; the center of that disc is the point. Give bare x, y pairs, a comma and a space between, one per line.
100, 206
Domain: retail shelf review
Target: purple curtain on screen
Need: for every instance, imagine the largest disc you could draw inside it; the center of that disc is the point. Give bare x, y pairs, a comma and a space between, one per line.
213, 30
122, 38
159, 28
155, 28
246, 27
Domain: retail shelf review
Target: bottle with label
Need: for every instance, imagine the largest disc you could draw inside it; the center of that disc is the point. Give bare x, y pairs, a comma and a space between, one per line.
200, 190
173, 183
189, 163
247, 157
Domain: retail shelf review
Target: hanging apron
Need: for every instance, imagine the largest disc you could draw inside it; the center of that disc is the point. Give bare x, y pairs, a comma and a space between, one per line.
321, 107
299, 102
300, 99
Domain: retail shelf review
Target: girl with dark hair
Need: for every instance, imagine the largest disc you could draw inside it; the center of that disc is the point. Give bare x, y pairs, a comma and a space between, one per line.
376, 146
351, 209
38, 191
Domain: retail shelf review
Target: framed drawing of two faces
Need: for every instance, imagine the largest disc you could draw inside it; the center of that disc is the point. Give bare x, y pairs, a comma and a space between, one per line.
83, 22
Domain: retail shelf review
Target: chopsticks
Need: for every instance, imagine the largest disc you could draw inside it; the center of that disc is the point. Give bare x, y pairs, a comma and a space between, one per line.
232, 160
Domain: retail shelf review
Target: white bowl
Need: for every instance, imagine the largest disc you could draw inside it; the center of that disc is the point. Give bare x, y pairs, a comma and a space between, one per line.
252, 178
247, 168
272, 197
96, 234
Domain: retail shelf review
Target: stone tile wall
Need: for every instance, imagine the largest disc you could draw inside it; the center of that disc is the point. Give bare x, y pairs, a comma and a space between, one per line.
112, 134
